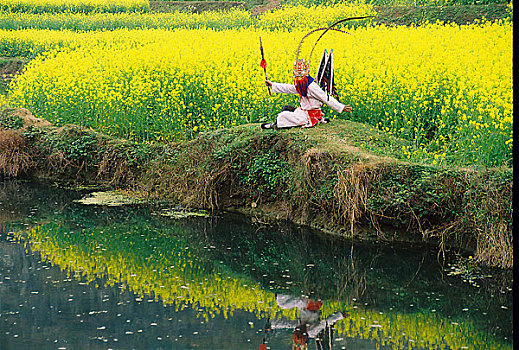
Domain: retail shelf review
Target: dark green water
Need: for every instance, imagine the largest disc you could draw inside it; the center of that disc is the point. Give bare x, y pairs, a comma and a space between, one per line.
89, 277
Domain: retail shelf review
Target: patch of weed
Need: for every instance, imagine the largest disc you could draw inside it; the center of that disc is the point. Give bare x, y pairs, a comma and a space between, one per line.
10, 121
267, 175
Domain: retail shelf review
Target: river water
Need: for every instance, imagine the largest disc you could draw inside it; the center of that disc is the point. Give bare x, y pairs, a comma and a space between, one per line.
74, 276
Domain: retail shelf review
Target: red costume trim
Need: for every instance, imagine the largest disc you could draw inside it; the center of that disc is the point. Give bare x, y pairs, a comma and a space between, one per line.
314, 116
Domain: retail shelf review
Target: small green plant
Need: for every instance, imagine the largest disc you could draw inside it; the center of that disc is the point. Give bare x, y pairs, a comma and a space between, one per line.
10, 122
138, 154
81, 148
267, 174
76, 146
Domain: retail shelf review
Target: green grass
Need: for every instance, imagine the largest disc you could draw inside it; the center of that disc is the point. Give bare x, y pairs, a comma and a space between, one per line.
112, 21
187, 15
9, 66
39, 6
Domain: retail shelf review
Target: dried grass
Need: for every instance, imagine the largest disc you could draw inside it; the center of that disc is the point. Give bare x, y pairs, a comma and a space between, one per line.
351, 193
114, 169
14, 159
492, 222
187, 180
495, 246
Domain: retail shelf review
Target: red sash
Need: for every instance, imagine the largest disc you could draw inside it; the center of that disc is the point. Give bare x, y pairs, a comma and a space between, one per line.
315, 116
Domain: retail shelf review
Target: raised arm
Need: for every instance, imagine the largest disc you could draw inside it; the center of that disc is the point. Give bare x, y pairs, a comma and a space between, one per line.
328, 99
281, 88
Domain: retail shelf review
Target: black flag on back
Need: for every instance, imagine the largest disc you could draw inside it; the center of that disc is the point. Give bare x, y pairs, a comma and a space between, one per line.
324, 75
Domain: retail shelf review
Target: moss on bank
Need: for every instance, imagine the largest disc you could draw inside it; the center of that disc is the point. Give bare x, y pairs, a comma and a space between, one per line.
342, 177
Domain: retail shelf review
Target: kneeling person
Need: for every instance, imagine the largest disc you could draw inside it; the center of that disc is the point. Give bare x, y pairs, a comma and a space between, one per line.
311, 97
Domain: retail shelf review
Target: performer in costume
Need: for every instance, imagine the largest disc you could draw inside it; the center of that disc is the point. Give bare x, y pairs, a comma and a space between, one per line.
311, 96
310, 92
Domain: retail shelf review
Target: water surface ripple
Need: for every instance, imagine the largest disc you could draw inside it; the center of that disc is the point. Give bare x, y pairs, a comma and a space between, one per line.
74, 276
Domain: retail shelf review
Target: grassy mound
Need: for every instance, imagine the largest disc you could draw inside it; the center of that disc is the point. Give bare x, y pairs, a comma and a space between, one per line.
339, 177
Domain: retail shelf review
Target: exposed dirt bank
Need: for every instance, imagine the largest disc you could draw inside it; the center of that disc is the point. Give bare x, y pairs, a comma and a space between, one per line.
316, 177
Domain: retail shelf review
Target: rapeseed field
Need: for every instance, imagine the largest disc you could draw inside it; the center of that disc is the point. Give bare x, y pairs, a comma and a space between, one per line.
446, 88
73, 6
114, 67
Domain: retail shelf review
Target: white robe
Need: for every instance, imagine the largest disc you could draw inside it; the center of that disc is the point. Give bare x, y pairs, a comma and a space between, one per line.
299, 117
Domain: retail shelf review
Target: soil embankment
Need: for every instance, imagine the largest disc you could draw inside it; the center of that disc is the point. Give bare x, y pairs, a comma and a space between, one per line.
319, 177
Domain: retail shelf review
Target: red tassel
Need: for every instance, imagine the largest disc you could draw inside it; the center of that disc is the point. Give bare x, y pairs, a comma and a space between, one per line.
301, 84
263, 64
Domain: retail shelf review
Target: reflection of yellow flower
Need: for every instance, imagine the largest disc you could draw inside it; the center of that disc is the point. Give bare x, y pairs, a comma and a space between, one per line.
176, 276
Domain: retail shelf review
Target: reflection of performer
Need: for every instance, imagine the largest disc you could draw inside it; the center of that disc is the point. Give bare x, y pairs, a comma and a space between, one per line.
309, 324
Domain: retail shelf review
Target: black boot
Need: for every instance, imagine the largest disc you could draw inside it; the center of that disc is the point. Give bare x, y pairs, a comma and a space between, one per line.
268, 126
